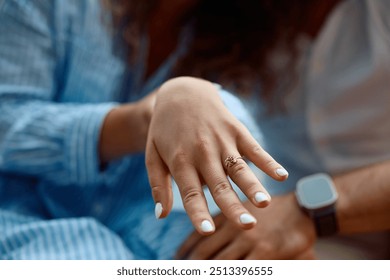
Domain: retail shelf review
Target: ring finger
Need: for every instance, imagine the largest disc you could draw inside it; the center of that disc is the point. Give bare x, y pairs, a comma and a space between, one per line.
241, 174
224, 195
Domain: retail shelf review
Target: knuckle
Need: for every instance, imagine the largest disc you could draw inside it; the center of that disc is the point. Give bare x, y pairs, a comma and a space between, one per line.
221, 188
238, 169
269, 164
180, 156
235, 208
157, 190
191, 195
252, 188
179, 159
198, 216
235, 126
204, 151
257, 149
203, 145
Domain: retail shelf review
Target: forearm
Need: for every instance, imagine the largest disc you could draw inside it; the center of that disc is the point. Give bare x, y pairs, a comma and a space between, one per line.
364, 199
363, 204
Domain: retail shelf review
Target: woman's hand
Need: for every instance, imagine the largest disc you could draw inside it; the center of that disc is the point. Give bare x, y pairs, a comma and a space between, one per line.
191, 135
285, 233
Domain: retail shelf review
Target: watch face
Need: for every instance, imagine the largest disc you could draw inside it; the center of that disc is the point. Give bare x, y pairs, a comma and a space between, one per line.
316, 191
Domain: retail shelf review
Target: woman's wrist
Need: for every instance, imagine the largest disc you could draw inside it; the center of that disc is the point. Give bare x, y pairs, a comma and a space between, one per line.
180, 87
125, 129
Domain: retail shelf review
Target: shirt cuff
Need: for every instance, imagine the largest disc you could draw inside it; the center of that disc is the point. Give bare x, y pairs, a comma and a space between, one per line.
82, 145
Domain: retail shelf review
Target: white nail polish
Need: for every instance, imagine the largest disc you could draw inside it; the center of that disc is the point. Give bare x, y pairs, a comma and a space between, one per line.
206, 226
247, 219
281, 172
158, 210
260, 197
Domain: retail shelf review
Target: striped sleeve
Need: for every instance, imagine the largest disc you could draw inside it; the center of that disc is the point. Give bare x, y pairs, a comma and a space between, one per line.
38, 137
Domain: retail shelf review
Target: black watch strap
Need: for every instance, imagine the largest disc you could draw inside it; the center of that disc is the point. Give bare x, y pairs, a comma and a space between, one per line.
326, 222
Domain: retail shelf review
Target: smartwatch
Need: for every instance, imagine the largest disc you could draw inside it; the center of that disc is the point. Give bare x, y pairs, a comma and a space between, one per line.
317, 196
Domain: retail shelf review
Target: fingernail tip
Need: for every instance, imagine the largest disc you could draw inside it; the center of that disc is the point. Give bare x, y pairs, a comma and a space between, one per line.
282, 172
247, 219
207, 227
158, 210
261, 197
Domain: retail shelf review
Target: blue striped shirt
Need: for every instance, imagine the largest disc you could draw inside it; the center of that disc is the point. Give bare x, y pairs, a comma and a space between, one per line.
61, 72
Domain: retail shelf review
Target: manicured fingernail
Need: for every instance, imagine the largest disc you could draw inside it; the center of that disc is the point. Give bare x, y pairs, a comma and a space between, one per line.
158, 210
247, 219
281, 172
260, 197
206, 226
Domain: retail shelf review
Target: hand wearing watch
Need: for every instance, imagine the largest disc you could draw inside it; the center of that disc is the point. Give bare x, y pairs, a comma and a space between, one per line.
317, 196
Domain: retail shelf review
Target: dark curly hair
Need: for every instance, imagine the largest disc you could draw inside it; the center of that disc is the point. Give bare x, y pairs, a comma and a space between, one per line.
233, 39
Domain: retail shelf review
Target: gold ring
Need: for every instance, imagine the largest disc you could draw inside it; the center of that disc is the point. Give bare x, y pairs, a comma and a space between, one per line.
231, 160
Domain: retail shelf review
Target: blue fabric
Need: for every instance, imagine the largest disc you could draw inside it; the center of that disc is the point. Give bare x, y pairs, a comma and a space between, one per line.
61, 71
60, 74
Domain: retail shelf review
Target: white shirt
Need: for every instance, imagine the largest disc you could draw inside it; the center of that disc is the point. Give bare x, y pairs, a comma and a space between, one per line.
338, 115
